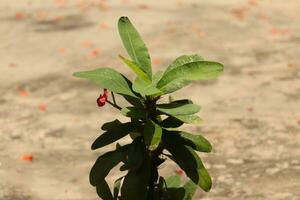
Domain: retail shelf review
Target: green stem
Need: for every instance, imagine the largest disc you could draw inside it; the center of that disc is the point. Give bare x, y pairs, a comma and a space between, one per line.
113, 97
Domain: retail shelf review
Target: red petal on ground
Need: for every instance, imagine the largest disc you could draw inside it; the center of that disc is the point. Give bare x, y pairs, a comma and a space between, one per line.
103, 25
43, 107
62, 50
27, 157
21, 15
156, 61
94, 53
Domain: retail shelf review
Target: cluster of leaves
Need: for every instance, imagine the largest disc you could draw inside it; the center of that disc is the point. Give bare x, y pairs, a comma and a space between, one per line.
153, 126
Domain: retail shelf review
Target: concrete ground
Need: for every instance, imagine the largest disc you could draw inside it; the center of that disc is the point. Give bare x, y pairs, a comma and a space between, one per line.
251, 113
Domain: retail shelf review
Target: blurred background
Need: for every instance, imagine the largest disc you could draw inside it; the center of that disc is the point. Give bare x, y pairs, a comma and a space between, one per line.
49, 119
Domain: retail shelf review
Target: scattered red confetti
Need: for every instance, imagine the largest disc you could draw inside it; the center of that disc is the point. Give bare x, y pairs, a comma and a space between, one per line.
94, 53
240, 13
21, 15
22, 92
43, 107
252, 2
278, 31
102, 99
41, 15
170, 30
62, 50
60, 3
179, 172
250, 109
58, 18
87, 44
12, 65
143, 6
103, 25
103, 5
27, 157
156, 61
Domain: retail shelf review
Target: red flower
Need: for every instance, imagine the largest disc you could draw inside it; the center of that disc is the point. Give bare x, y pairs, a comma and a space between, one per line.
102, 98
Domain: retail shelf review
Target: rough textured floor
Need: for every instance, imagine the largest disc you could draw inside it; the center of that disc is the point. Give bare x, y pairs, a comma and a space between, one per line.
251, 113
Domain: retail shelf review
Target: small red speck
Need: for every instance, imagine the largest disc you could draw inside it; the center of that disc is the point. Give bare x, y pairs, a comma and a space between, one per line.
143, 6
252, 2
12, 65
41, 15
179, 172
103, 25
43, 107
20, 15
58, 18
22, 92
27, 157
94, 53
87, 44
156, 61
62, 50
250, 109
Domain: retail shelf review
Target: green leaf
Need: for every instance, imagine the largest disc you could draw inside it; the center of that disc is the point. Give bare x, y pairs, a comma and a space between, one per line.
105, 163
108, 78
182, 60
134, 112
197, 142
103, 190
133, 101
152, 135
171, 122
145, 87
173, 181
156, 77
136, 154
136, 69
135, 46
188, 160
189, 119
115, 130
117, 185
182, 75
178, 108
135, 184
190, 188
174, 194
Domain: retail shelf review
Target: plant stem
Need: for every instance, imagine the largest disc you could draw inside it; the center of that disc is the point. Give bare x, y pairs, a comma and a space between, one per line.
114, 105
113, 97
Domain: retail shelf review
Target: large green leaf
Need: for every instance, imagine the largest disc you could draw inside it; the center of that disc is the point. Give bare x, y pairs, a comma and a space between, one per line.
103, 190
152, 135
135, 46
136, 154
197, 142
135, 184
188, 160
190, 188
189, 119
174, 194
134, 112
108, 78
137, 70
156, 77
105, 163
173, 181
171, 122
182, 60
179, 108
145, 87
182, 75
115, 130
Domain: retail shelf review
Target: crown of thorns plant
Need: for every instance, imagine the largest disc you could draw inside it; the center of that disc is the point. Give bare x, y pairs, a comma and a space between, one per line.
154, 126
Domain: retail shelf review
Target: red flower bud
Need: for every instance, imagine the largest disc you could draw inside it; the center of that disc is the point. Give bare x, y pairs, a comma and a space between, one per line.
102, 98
